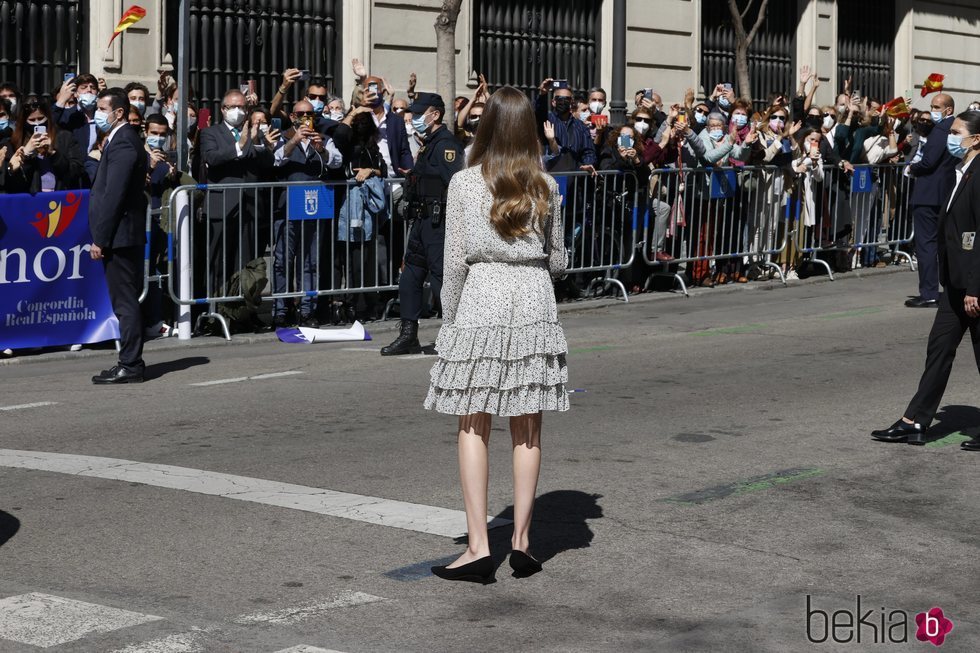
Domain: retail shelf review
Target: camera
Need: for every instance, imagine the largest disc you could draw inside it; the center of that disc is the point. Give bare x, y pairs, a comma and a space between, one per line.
304, 75
559, 83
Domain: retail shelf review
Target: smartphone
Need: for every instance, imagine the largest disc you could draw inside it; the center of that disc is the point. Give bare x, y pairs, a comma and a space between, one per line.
251, 86
559, 83
40, 129
624, 141
304, 75
727, 86
69, 76
682, 118
277, 124
243, 88
203, 118
307, 121
599, 121
648, 93
856, 96
373, 86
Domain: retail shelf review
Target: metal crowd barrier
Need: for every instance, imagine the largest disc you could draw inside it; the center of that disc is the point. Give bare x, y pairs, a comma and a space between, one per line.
601, 215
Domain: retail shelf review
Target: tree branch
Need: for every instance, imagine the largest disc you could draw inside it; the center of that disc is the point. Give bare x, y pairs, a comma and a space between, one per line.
736, 20
747, 8
758, 22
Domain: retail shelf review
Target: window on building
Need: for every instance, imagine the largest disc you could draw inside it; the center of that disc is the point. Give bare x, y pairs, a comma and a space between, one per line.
865, 48
39, 43
771, 55
521, 42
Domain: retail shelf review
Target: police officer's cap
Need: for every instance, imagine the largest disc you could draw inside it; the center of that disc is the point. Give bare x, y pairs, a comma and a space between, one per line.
425, 100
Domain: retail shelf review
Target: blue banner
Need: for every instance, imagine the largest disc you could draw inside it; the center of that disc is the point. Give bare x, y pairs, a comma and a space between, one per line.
862, 180
51, 291
724, 183
309, 202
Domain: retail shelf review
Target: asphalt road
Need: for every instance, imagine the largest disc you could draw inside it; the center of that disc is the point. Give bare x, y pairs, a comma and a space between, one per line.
714, 472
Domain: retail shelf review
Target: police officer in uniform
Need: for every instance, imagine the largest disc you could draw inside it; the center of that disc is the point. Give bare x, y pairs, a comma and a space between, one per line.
425, 197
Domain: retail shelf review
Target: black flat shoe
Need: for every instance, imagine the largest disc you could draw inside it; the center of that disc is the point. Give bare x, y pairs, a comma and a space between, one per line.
116, 375
478, 571
919, 302
901, 431
970, 445
523, 564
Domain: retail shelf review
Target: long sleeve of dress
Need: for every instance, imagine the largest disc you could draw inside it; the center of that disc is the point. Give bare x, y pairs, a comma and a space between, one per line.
555, 235
454, 267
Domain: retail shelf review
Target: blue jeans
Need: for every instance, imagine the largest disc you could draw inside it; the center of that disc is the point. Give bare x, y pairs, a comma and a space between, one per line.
294, 262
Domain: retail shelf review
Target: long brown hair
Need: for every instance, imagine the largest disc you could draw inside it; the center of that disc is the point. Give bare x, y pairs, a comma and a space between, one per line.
22, 131
507, 146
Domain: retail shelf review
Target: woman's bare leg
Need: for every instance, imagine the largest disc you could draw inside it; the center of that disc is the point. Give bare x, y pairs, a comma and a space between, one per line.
525, 433
474, 470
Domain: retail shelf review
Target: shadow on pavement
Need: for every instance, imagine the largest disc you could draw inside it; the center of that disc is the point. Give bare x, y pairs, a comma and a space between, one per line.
559, 523
157, 370
956, 419
9, 525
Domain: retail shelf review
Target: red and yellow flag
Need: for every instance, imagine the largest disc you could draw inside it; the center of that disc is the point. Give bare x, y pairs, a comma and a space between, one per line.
933, 84
132, 16
897, 108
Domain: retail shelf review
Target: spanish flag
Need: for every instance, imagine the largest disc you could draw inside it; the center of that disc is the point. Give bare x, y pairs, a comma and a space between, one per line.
132, 16
933, 84
897, 108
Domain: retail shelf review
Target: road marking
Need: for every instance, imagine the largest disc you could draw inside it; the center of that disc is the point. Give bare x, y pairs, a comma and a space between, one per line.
855, 313
952, 438
239, 379
372, 510
291, 615
745, 328
753, 484
306, 648
189, 642
43, 620
36, 404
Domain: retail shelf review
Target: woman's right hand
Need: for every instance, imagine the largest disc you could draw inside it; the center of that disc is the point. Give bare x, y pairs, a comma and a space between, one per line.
549, 130
30, 147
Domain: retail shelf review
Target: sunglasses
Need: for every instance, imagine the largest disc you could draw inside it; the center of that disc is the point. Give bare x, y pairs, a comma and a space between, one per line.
645, 121
780, 118
317, 96
304, 114
399, 110
830, 115
703, 112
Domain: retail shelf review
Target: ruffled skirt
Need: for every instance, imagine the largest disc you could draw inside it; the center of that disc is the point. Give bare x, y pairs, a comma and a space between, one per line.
505, 352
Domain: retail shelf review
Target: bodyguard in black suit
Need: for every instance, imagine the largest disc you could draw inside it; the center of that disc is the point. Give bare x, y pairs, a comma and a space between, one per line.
959, 270
934, 177
117, 220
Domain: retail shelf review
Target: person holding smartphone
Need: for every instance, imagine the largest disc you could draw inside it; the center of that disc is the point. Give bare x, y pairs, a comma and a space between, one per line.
576, 150
42, 158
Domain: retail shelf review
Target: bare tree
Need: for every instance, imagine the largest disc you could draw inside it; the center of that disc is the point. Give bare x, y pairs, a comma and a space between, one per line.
743, 40
446, 54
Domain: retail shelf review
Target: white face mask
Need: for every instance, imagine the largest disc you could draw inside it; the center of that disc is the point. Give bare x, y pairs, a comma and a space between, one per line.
596, 107
641, 127
841, 108
828, 122
235, 116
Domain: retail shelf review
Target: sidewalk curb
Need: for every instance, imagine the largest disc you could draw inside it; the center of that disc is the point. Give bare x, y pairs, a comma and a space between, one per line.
391, 326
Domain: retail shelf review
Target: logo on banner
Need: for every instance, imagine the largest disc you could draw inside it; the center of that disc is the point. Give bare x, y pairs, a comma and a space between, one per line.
59, 217
309, 203
312, 202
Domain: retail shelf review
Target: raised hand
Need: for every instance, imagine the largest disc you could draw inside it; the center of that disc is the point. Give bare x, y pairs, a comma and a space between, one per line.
360, 72
549, 130
804, 73
545, 85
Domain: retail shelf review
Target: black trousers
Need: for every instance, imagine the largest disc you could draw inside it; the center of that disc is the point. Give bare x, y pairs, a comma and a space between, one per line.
426, 245
926, 224
947, 332
124, 276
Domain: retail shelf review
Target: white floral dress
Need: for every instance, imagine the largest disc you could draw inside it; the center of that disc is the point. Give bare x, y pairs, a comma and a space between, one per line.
501, 347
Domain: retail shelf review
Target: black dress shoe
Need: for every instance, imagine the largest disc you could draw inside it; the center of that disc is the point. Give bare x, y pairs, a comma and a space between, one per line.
523, 564
970, 445
478, 571
117, 374
919, 302
310, 322
901, 431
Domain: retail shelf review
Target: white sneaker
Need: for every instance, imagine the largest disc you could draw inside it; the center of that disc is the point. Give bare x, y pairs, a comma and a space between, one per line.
159, 330
792, 276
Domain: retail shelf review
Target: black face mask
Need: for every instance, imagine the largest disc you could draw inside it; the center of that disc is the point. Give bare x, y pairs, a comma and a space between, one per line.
563, 104
192, 128
814, 121
924, 128
472, 125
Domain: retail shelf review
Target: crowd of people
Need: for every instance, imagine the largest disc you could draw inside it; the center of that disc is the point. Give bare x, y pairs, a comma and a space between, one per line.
370, 137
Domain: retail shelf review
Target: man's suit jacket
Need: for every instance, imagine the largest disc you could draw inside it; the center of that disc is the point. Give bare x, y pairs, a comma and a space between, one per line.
117, 203
75, 120
398, 147
224, 166
935, 173
959, 249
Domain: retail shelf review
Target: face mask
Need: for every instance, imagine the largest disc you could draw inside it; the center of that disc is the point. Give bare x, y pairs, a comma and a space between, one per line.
776, 124
563, 104
924, 128
740, 119
4, 123
235, 117
841, 108
87, 100
139, 106
102, 121
155, 142
814, 121
317, 105
337, 115
596, 107
954, 144
418, 122
472, 124
723, 102
170, 109
192, 128
584, 116
716, 134
410, 128
937, 116
641, 127
828, 122
700, 118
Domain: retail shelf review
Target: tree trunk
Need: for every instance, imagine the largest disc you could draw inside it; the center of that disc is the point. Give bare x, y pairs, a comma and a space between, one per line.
743, 40
446, 55
742, 71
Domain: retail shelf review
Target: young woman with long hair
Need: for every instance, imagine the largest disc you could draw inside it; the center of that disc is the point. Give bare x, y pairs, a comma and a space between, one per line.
501, 347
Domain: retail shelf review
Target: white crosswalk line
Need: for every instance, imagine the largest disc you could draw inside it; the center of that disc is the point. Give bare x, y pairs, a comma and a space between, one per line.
36, 404
239, 379
190, 642
44, 620
306, 648
294, 614
417, 517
